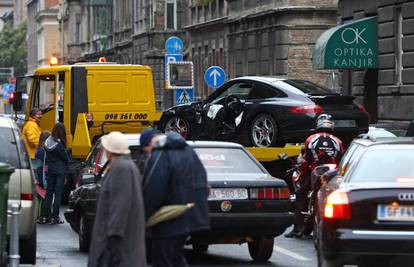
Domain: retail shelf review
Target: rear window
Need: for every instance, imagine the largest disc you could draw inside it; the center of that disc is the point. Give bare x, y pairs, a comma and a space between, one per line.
385, 165
9, 151
227, 160
304, 87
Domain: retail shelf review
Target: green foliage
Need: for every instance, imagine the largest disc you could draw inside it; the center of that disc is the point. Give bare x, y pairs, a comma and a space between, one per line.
13, 48
204, 2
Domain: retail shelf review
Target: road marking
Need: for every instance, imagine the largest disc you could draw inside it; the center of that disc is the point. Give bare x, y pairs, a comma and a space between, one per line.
290, 253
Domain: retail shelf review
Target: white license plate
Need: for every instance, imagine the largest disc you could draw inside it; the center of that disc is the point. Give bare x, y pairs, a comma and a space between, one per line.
344, 123
227, 193
395, 213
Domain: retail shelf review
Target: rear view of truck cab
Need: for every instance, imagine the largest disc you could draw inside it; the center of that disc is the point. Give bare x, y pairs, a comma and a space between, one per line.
92, 99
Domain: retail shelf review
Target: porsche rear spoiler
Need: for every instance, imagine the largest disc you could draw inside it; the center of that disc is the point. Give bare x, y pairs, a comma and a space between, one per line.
332, 99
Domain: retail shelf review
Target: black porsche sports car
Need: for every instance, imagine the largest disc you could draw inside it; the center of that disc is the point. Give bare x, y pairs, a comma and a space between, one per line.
265, 112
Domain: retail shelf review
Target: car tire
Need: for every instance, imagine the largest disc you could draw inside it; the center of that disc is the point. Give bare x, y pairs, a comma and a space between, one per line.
179, 125
200, 248
324, 262
85, 234
315, 232
28, 248
261, 249
263, 131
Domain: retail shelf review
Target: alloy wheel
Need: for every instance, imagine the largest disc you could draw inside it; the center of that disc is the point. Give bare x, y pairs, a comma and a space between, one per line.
178, 125
263, 131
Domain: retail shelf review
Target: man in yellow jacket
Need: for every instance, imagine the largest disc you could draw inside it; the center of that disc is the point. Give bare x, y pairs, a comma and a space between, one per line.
31, 131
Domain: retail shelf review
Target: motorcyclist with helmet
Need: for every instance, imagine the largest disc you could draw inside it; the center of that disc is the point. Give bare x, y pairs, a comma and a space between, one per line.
320, 148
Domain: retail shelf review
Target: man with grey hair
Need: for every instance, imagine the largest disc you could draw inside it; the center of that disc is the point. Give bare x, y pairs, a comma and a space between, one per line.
119, 231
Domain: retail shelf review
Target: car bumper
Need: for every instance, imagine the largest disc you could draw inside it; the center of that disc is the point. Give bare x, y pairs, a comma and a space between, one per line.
27, 217
250, 224
353, 242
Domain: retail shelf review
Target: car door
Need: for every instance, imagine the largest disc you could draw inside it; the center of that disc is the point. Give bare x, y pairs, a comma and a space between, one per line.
44, 97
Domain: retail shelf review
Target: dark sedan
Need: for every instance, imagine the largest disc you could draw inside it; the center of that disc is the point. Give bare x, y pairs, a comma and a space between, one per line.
265, 112
246, 203
366, 214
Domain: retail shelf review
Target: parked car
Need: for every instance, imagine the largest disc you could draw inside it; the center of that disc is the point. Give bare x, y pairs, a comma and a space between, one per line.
82, 200
246, 203
265, 112
21, 187
366, 213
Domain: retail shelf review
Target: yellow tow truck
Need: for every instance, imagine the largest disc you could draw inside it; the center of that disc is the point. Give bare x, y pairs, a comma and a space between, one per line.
92, 99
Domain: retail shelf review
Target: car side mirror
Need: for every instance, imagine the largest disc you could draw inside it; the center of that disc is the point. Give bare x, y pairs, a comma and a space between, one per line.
321, 170
329, 175
88, 178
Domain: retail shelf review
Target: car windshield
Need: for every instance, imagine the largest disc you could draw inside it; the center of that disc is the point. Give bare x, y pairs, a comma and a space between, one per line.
227, 160
9, 152
304, 87
385, 164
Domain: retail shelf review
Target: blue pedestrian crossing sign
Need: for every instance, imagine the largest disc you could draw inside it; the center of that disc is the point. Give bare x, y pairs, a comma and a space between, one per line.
215, 77
183, 96
174, 45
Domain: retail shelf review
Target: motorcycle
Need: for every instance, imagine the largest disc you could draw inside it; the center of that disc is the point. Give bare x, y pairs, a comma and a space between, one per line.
320, 175
292, 175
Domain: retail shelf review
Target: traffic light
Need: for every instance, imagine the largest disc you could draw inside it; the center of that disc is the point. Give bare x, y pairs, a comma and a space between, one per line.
15, 99
11, 98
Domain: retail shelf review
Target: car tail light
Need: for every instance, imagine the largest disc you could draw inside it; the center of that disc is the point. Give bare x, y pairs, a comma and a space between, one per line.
269, 193
307, 109
27, 196
337, 206
362, 108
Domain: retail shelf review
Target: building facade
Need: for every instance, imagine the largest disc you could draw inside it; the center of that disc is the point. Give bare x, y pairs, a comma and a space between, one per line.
124, 31
43, 39
6, 11
387, 92
19, 12
250, 37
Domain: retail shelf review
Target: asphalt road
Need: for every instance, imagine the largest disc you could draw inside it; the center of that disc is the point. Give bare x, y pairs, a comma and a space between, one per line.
58, 246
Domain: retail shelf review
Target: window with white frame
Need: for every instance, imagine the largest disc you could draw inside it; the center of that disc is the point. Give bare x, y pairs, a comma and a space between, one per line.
171, 14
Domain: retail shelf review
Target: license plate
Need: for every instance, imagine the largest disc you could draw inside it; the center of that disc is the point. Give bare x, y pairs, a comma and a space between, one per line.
344, 123
227, 193
395, 213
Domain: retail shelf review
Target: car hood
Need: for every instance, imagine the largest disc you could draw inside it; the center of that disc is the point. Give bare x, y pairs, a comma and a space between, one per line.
243, 180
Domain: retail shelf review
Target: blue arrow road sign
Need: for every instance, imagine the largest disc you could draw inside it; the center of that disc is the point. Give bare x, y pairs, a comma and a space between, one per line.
215, 76
174, 45
183, 96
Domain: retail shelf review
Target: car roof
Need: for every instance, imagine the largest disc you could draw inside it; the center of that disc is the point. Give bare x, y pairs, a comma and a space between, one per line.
216, 144
372, 141
267, 79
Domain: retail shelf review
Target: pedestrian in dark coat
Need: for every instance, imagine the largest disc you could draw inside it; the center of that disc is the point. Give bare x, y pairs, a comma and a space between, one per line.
57, 161
174, 175
119, 230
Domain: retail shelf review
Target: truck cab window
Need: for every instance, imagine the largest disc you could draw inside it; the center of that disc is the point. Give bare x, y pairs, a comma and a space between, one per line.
61, 91
44, 93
